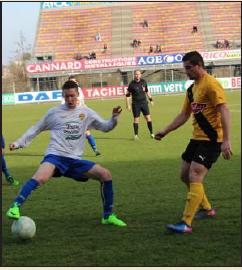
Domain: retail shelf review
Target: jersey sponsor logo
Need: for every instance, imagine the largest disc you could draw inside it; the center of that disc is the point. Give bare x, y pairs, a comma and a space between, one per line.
81, 116
201, 157
72, 130
197, 107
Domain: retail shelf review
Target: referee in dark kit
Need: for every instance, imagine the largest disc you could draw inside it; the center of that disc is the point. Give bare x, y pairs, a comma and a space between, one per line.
138, 90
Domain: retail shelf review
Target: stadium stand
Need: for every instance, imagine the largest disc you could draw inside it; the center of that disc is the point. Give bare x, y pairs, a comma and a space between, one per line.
67, 32
225, 19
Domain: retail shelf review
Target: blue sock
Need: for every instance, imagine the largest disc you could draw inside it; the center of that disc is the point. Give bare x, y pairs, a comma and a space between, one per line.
4, 167
107, 197
92, 142
25, 191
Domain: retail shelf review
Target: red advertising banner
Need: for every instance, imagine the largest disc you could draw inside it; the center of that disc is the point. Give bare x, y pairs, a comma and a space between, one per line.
54, 67
59, 66
104, 92
109, 63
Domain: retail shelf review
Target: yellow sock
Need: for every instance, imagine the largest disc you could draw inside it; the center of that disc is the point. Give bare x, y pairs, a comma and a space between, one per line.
205, 204
194, 198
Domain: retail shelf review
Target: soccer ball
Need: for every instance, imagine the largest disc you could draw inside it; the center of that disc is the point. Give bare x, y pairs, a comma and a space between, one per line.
23, 228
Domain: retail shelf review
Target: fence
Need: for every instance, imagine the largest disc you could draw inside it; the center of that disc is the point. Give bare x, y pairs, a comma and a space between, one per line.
117, 78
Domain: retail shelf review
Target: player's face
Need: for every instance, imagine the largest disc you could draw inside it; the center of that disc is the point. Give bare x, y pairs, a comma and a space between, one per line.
71, 97
137, 75
192, 71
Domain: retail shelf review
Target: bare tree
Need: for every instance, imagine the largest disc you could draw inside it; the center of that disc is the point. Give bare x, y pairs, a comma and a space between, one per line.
17, 75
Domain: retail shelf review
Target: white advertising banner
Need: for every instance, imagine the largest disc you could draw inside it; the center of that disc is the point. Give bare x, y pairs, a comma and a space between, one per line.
221, 55
161, 88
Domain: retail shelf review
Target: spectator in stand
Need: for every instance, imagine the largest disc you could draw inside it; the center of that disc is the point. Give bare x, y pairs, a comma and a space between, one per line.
93, 55
158, 48
226, 44
135, 43
151, 50
138, 43
98, 37
105, 47
78, 56
145, 24
194, 29
219, 44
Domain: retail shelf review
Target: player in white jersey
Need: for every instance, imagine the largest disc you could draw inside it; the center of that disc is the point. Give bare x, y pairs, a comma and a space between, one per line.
68, 123
81, 102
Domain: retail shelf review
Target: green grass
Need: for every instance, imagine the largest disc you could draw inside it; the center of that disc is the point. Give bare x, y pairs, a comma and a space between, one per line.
148, 194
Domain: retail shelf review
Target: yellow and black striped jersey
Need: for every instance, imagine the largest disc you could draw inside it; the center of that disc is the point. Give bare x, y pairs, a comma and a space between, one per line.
207, 94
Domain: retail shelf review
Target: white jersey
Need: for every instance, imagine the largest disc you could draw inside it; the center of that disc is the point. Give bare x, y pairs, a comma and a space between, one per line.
67, 127
81, 99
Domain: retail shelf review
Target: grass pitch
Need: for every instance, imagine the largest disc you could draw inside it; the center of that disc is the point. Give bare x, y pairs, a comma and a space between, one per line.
148, 194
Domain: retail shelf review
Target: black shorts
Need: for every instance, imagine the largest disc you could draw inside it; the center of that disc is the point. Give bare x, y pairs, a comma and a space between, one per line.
140, 107
202, 152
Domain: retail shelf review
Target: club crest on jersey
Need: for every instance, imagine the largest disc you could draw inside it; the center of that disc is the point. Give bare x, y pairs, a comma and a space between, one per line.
197, 107
82, 116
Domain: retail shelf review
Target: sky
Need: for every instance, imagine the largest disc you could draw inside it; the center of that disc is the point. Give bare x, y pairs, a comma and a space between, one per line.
17, 17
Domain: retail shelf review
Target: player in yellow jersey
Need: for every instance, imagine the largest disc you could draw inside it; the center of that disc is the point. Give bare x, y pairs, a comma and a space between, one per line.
205, 99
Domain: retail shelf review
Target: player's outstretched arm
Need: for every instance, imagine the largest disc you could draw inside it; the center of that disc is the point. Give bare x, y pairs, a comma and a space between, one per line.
116, 111
31, 133
176, 123
13, 146
99, 123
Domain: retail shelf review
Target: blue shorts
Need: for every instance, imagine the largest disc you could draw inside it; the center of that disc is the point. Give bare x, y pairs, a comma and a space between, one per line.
3, 143
69, 167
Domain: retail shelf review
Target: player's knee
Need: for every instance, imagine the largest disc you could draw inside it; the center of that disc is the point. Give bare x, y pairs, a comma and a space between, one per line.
195, 174
87, 133
40, 179
105, 175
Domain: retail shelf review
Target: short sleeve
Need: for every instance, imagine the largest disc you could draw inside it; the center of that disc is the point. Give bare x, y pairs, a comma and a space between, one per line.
186, 105
145, 86
128, 91
216, 93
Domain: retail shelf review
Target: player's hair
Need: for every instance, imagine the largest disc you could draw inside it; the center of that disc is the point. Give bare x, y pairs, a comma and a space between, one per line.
138, 70
194, 57
68, 85
71, 77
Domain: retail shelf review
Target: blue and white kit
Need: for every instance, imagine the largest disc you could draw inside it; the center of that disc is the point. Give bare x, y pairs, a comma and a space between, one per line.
67, 127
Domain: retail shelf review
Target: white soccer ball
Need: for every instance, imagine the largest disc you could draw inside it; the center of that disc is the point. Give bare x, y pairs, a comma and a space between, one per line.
23, 228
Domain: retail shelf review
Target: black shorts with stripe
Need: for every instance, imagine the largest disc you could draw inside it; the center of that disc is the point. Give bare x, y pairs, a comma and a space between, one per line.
202, 152
140, 107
